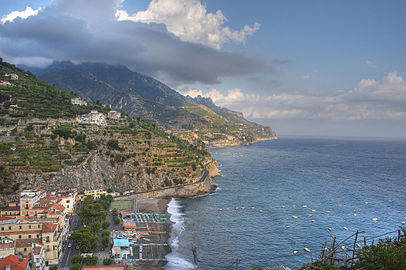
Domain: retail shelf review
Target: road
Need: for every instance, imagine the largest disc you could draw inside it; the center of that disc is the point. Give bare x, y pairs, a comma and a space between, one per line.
64, 263
205, 174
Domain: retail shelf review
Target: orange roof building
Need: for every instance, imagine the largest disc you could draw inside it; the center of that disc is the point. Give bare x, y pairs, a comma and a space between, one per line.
13, 262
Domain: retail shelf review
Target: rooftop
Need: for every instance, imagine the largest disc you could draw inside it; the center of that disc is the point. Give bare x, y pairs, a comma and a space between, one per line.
15, 262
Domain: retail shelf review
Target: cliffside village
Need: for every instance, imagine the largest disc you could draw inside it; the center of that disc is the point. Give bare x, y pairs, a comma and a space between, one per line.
33, 231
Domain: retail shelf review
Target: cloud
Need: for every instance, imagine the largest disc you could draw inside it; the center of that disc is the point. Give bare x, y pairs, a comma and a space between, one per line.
190, 21
89, 31
369, 100
370, 64
20, 14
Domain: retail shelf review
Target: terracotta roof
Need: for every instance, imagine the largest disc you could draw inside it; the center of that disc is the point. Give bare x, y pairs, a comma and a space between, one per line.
57, 207
20, 243
6, 218
20, 232
49, 227
14, 262
10, 208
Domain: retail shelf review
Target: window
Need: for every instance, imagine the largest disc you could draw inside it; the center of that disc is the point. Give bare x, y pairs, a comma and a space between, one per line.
25, 249
29, 236
39, 226
19, 237
21, 227
9, 227
2, 228
29, 226
37, 235
68, 201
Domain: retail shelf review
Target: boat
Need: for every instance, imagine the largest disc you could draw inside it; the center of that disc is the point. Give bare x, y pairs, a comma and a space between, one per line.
307, 250
220, 209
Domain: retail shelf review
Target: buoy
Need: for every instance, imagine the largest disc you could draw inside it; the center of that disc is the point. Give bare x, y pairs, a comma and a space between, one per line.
343, 247
293, 206
390, 201
330, 229
358, 245
403, 223
340, 205
345, 228
355, 214
366, 202
228, 209
243, 208
287, 227
252, 208
375, 219
283, 206
307, 250
328, 212
295, 252
354, 210
313, 220
304, 206
260, 211
220, 209
313, 210
295, 216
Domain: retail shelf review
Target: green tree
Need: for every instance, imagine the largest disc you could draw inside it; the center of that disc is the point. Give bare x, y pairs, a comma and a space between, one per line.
108, 261
95, 227
106, 241
106, 224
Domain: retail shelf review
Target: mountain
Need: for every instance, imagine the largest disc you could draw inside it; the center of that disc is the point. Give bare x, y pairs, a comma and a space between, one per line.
48, 141
147, 98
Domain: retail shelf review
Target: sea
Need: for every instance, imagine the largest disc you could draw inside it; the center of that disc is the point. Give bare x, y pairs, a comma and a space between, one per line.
279, 197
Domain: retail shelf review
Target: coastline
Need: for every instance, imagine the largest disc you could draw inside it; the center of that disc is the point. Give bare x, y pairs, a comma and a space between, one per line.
223, 144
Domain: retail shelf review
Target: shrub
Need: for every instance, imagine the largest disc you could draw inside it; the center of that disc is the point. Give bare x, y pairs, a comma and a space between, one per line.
108, 261
106, 241
106, 225
116, 220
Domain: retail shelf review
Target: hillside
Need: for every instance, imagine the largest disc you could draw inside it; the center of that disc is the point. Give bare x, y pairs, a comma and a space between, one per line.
46, 141
142, 96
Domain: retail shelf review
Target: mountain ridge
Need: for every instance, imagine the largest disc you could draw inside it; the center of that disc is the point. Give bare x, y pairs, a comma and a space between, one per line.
147, 98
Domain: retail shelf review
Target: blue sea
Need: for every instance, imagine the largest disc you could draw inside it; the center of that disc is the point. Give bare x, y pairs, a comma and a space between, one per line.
323, 183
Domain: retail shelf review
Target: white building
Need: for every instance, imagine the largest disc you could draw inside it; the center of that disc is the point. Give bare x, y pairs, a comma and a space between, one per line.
28, 198
114, 115
12, 76
38, 257
78, 101
93, 118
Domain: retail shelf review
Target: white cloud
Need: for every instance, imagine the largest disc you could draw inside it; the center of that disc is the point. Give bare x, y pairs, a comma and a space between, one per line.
20, 14
370, 100
190, 21
370, 64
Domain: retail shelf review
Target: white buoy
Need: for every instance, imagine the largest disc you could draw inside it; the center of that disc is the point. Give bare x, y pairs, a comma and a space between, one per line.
355, 214
343, 247
375, 219
307, 250
330, 229
355, 210
345, 228
403, 223
328, 212
313, 220
366, 202
295, 217
390, 200
358, 245
287, 227
295, 252
304, 206
314, 210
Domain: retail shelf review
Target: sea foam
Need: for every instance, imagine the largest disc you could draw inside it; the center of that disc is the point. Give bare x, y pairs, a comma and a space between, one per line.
175, 260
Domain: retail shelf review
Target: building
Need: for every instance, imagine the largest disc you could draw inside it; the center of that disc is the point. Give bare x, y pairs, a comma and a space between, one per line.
92, 118
121, 249
12, 262
28, 198
78, 101
12, 210
67, 200
114, 115
7, 247
5, 83
38, 257
12, 76
95, 193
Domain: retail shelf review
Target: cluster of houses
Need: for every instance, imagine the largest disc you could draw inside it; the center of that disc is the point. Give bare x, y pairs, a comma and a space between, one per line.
13, 77
33, 230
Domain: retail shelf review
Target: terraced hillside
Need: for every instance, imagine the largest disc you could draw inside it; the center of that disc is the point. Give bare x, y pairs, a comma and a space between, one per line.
46, 142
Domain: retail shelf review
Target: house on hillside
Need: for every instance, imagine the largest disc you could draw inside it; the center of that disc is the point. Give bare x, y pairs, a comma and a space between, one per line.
92, 118
12, 76
5, 83
78, 101
114, 115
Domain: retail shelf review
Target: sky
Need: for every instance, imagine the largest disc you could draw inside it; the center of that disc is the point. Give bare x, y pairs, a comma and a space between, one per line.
312, 68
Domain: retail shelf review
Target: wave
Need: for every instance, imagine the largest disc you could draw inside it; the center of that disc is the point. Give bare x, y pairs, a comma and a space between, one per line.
175, 259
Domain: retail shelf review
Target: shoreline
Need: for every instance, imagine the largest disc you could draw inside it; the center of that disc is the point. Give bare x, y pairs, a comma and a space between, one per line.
220, 144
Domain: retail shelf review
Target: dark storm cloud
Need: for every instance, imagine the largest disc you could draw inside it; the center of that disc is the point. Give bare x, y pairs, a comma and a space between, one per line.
88, 31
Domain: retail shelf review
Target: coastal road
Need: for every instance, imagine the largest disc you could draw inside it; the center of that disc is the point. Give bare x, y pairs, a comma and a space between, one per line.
202, 178
64, 263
